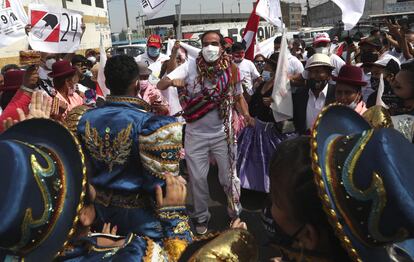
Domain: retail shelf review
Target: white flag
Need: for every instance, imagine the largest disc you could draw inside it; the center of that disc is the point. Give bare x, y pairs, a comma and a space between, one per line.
18, 10
282, 105
352, 11
270, 11
379, 101
102, 63
152, 7
265, 48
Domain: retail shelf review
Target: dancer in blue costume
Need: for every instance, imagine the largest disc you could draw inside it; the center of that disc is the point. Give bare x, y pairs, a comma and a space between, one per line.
129, 150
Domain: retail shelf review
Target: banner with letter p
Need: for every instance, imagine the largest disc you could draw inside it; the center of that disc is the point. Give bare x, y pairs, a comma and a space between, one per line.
54, 30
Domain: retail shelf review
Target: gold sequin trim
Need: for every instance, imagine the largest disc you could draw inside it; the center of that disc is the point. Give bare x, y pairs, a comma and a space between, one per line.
327, 205
132, 100
73, 118
174, 248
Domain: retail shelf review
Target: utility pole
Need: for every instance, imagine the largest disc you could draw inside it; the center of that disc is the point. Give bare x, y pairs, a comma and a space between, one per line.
222, 8
64, 3
129, 33
200, 15
308, 12
179, 33
238, 3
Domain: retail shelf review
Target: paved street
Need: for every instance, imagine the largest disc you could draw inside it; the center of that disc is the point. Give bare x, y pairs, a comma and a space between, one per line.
220, 221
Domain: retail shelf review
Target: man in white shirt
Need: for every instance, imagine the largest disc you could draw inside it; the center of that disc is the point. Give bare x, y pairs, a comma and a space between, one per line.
206, 86
308, 101
153, 56
321, 44
248, 71
295, 67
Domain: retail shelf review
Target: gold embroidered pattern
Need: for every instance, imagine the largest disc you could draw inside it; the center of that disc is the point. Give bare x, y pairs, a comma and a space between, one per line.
102, 149
181, 227
174, 248
132, 100
52, 208
73, 118
172, 215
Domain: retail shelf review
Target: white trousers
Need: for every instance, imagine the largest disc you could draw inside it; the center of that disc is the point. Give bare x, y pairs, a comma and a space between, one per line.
197, 151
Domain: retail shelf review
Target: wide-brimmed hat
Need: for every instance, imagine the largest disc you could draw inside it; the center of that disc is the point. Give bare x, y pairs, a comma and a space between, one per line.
385, 59
42, 185
143, 69
319, 60
13, 80
350, 75
321, 37
61, 69
154, 41
365, 180
30, 57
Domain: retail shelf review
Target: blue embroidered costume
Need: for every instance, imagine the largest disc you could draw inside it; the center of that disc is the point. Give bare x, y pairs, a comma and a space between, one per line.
129, 151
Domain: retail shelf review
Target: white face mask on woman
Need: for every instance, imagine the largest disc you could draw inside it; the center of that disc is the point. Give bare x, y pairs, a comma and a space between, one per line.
49, 63
266, 75
211, 53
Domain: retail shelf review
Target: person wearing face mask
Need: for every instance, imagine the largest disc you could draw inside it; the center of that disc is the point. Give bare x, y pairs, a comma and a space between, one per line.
85, 82
153, 56
295, 67
377, 69
256, 145
62, 75
321, 44
210, 89
321, 209
150, 93
46, 62
348, 88
309, 101
248, 72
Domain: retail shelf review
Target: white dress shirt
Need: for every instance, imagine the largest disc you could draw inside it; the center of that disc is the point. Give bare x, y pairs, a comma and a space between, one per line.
315, 106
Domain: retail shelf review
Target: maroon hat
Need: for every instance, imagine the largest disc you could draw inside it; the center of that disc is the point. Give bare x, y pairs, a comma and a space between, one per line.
13, 80
350, 75
61, 68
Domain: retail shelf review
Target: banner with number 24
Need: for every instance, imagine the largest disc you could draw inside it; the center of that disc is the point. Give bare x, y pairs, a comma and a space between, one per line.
54, 30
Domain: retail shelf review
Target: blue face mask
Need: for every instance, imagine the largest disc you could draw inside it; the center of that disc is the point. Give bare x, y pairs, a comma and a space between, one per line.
153, 51
266, 75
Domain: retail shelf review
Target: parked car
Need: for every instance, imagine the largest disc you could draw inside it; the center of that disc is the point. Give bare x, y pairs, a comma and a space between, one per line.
131, 50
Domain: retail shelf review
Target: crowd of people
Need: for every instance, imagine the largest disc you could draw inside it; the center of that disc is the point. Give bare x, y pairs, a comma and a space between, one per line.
93, 176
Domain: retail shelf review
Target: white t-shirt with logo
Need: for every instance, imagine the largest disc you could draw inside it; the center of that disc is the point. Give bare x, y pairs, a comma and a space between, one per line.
248, 74
210, 124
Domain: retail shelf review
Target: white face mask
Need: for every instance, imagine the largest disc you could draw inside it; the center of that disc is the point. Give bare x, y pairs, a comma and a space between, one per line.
143, 84
322, 50
354, 104
211, 53
92, 59
49, 63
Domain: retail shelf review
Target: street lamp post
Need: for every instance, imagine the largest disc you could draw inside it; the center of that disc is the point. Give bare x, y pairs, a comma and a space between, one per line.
129, 33
178, 10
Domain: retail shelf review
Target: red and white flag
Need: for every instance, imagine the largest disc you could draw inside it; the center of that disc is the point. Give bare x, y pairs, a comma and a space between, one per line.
249, 34
270, 11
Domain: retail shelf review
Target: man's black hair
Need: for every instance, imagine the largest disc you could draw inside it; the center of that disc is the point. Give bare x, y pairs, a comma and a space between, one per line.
278, 40
237, 47
78, 59
374, 31
222, 43
8, 67
120, 71
409, 67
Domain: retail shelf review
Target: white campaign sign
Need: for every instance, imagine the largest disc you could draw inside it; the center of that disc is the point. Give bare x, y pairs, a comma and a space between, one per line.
11, 28
152, 7
54, 30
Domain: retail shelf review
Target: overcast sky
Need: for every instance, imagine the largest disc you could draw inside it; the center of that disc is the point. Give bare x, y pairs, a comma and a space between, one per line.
117, 13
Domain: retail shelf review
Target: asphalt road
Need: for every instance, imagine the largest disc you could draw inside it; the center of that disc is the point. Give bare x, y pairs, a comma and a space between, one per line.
250, 200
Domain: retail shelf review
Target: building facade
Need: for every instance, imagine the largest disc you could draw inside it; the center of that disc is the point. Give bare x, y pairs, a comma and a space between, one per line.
292, 15
95, 17
328, 13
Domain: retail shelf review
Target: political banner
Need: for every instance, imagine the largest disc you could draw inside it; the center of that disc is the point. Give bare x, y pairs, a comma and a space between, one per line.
11, 28
54, 30
152, 7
